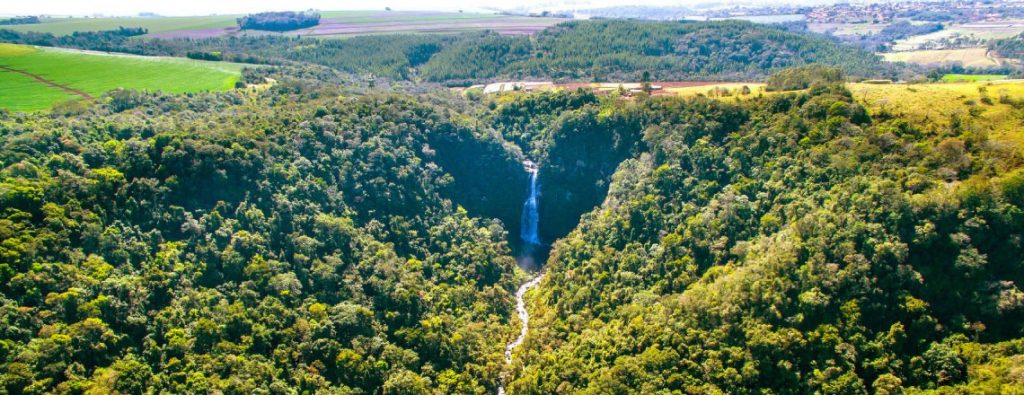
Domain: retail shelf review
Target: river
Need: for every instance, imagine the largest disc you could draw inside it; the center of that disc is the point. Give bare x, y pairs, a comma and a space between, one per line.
529, 259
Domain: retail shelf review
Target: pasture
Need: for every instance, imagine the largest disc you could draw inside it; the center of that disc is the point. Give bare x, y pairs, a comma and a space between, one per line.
972, 77
36, 78
967, 57
935, 104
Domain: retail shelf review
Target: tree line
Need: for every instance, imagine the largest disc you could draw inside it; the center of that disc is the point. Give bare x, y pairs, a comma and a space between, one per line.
21, 20
279, 21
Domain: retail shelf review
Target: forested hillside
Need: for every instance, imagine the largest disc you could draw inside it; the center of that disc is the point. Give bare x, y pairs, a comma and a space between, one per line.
608, 50
303, 239
579, 50
789, 244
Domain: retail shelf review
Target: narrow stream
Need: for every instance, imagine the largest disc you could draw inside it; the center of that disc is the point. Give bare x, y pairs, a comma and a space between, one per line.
528, 261
524, 316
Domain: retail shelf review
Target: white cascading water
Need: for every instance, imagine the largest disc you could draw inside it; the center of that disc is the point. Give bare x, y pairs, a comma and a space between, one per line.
531, 217
531, 240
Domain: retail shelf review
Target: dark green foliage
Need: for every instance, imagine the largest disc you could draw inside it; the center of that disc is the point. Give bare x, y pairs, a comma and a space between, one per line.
202, 55
525, 119
22, 20
279, 21
393, 56
1012, 47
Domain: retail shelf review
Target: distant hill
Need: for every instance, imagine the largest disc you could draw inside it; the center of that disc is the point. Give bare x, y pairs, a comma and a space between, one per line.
594, 50
610, 50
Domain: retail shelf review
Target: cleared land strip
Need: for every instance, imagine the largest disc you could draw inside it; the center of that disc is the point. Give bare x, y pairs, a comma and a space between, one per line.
65, 88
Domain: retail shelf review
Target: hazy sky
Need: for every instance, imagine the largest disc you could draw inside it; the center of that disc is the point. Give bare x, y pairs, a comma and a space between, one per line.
203, 7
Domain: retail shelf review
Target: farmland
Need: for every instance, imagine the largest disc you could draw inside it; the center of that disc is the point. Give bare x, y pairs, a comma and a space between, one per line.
67, 26
22, 93
980, 30
967, 57
36, 78
332, 24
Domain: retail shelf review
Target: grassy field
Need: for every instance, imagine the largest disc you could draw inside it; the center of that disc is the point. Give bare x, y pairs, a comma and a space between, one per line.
66, 26
972, 77
23, 93
935, 104
66, 74
733, 88
967, 57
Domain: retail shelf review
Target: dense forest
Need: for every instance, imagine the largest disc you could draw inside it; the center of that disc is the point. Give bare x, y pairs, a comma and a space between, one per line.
793, 243
608, 50
300, 239
337, 226
579, 50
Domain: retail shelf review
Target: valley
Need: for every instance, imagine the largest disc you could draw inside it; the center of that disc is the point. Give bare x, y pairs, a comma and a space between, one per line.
398, 202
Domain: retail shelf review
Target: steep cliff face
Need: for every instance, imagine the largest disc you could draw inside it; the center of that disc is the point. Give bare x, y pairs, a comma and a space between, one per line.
487, 176
584, 149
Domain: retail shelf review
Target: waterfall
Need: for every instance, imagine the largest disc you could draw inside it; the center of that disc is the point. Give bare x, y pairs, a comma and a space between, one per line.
528, 232
531, 245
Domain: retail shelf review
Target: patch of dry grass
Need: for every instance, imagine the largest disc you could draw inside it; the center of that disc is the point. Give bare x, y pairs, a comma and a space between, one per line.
968, 57
933, 106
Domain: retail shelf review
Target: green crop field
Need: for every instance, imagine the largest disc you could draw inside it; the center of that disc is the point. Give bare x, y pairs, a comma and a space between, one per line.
972, 77
23, 93
73, 74
66, 26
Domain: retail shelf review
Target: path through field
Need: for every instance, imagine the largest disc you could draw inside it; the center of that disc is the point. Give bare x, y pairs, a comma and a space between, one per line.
65, 88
